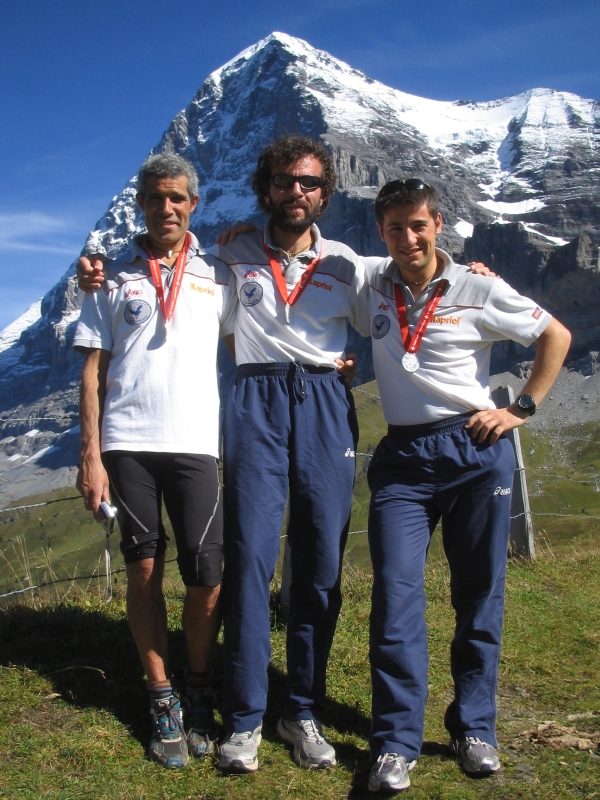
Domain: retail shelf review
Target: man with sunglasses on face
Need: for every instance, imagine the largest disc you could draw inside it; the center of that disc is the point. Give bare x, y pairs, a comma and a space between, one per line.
433, 324
290, 427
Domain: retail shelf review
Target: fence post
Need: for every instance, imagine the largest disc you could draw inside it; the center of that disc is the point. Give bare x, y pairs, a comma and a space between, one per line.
521, 525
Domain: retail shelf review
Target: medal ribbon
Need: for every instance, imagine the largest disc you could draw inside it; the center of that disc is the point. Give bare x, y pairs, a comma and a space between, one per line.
168, 308
412, 344
278, 275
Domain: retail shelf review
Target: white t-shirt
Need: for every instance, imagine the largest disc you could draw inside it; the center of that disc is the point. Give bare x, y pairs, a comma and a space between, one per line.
454, 355
316, 333
162, 383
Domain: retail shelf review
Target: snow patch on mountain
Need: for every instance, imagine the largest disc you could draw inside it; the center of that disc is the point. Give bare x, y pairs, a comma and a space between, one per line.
12, 332
521, 207
464, 228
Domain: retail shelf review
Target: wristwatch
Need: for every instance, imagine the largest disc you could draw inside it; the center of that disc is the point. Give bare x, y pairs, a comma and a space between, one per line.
526, 403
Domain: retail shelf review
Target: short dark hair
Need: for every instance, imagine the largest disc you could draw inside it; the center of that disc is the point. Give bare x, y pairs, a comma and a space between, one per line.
167, 165
285, 150
397, 193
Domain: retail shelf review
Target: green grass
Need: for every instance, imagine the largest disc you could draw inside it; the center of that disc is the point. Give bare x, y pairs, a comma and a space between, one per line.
73, 713
73, 708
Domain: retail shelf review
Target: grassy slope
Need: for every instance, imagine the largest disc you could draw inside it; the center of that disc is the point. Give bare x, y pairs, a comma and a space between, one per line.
72, 712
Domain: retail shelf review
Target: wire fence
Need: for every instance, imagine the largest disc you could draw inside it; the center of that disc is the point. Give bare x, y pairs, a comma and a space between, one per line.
593, 479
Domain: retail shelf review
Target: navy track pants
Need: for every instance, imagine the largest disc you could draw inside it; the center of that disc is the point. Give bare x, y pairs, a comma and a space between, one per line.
419, 474
286, 428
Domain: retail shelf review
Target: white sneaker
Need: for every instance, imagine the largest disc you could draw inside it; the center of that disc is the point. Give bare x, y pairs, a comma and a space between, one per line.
390, 773
476, 756
238, 752
311, 749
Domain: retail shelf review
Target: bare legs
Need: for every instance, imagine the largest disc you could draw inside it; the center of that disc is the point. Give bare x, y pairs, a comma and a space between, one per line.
147, 616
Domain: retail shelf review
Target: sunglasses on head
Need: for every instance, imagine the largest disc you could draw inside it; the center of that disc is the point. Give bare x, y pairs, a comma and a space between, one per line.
412, 184
307, 182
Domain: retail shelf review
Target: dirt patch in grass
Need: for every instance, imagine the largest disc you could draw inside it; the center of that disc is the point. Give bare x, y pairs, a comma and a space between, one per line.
49, 717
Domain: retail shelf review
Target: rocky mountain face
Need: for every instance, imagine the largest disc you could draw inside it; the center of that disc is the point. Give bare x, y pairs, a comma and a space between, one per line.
518, 183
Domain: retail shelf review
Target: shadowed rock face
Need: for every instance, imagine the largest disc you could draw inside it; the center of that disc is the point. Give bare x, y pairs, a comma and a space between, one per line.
533, 159
564, 280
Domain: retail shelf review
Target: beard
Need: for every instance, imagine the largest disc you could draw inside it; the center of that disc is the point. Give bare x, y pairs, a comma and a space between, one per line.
286, 222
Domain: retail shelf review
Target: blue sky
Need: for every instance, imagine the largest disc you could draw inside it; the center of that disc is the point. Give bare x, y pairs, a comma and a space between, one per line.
87, 88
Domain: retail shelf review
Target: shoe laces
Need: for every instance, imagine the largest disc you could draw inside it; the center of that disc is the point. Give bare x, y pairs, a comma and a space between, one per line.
388, 758
311, 731
240, 739
167, 717
474, 740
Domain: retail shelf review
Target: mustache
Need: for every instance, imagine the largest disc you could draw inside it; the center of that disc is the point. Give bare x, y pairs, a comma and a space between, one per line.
297, 203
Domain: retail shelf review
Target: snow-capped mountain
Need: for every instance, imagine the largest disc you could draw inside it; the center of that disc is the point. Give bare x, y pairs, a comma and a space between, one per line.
532, 159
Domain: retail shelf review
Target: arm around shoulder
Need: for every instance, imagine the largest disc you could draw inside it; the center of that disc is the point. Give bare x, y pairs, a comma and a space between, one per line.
90, 272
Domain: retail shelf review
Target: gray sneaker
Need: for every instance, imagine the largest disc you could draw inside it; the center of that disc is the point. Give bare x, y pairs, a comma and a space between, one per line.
238, 752
390, 773
476, 756
311, 750
199, 721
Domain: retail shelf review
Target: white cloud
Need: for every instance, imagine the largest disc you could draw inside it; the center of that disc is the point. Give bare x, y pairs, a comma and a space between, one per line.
39, 232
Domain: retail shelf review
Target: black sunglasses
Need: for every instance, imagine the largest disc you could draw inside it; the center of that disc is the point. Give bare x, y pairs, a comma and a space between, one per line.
307, 182
412, 184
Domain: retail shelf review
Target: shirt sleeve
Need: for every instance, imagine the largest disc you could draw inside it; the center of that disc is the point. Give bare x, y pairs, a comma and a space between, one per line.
509, 315
230, 304
359, 304
94, 329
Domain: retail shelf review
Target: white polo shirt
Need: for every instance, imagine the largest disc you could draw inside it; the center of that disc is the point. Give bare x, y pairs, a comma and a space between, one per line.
453, 376
162, 384
316, 333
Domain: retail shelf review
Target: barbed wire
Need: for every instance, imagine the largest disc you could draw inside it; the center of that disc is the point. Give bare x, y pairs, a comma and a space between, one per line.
362, 391
96, 575
591, 479
45, 584
36, 505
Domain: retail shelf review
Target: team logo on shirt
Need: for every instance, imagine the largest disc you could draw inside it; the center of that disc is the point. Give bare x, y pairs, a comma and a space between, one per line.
537, 313
137, 311
446, 320
251, 293
322, 285
381, 325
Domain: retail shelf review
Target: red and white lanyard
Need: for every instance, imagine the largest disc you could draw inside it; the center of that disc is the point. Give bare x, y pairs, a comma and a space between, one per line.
410, 362
168, 307
294, 296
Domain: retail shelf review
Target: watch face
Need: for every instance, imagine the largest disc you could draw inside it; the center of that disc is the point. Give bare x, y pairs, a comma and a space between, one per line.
527, 403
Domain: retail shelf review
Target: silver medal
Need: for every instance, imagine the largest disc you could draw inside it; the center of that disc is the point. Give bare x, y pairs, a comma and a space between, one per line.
287, 313
410, 362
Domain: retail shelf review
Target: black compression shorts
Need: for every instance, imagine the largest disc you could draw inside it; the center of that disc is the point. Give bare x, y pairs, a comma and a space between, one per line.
190, 487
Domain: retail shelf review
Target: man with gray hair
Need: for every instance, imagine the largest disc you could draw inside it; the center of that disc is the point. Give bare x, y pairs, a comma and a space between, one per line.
150, 430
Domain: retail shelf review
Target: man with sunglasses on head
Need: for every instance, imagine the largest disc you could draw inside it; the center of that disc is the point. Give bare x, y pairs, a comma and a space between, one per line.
289, 427
433, 324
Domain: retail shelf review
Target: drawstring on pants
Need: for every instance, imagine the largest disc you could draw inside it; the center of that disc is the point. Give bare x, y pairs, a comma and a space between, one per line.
300, 387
